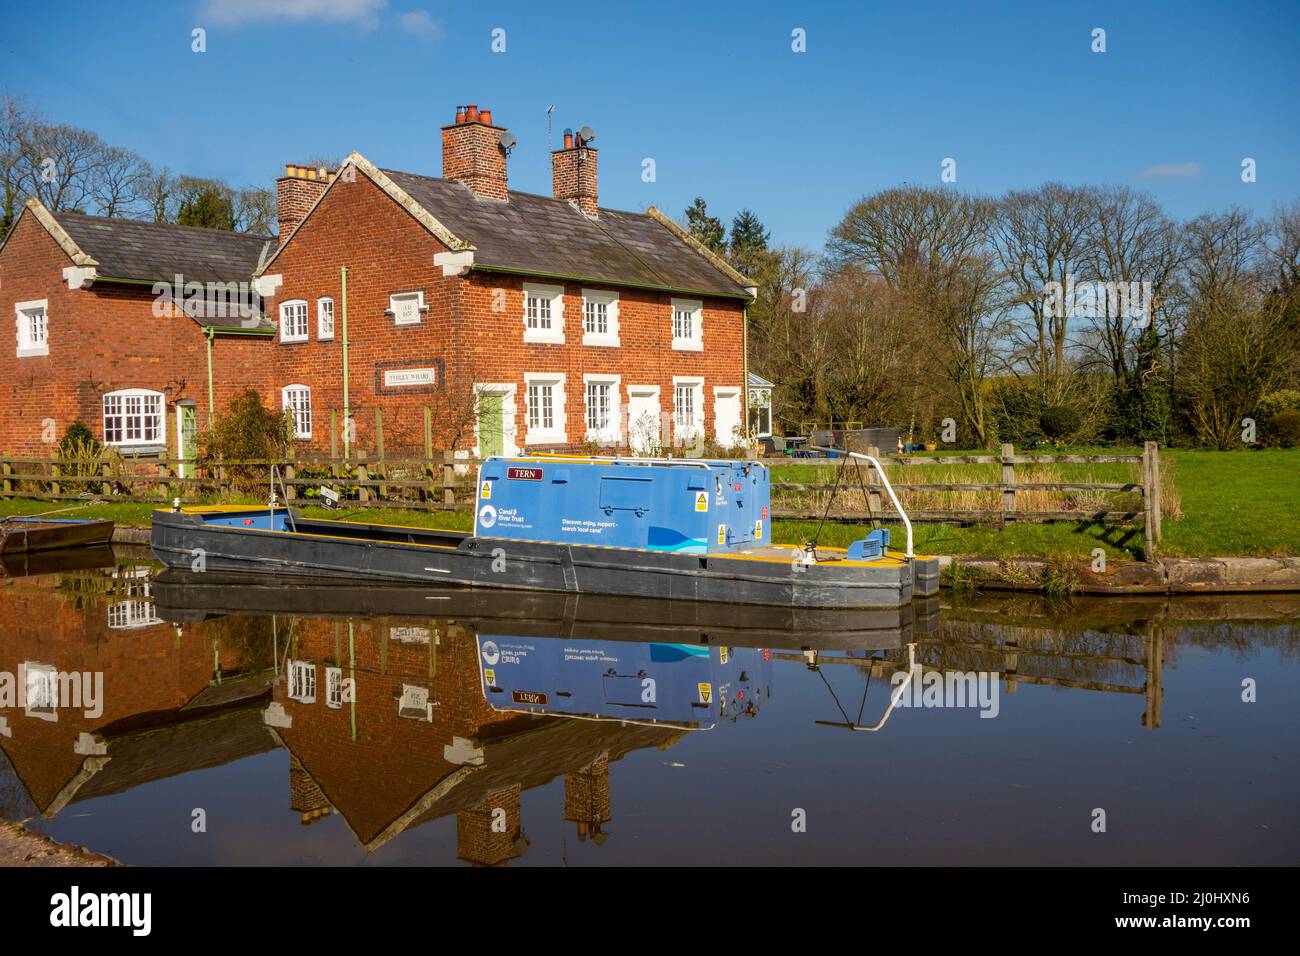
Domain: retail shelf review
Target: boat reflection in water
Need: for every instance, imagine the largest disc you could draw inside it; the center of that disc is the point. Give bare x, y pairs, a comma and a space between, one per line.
399, 705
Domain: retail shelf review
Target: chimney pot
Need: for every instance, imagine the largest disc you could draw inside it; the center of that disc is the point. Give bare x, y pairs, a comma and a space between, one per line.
472, 153
573, 174
460, 115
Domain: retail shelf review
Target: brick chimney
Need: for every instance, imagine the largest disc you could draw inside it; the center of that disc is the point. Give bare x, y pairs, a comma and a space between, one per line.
472, 153
296, 191
573, 172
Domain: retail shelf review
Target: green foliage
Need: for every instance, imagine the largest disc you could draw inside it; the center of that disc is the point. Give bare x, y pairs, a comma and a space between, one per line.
1284, 400
249, 431
1284, 429
1059, 421
210, 208
78, 439
1016, 410
748, 244
705, 228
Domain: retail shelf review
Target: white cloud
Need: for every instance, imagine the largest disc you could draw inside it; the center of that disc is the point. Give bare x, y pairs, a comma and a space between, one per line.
419, 23
1172, 171
235, 12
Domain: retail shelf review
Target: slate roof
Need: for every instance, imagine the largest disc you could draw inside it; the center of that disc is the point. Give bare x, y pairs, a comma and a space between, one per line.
130, 249
540, 234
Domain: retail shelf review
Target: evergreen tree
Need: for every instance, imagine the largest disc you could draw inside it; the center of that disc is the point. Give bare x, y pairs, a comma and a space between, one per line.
705, 228
748, 241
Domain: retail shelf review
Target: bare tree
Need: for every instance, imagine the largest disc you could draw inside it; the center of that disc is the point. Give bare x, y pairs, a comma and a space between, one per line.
1041, 239
120, 186
256, 211
60, 165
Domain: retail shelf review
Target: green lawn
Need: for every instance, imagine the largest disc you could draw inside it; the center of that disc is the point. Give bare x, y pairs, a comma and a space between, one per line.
1232, 503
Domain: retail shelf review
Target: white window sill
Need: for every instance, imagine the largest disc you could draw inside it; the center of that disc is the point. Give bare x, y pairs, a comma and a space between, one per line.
324, 338
601, 341
546, 438
290, 339
688, 345
154, 449
33, 351
543, 337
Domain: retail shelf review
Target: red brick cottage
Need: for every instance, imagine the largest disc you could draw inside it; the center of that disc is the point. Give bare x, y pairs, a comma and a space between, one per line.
137, 329
517, 320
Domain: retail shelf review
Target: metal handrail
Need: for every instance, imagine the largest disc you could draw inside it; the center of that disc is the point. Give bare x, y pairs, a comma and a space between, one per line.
284, 494
884, 480
893, 699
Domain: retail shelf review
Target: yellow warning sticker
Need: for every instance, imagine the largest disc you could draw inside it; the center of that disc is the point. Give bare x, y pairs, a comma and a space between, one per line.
486, 493
490, 676
706, 693
702, 501
758, 529
722, 534
722, 654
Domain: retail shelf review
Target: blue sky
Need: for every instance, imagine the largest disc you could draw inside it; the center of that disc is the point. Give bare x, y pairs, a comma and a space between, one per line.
712, 92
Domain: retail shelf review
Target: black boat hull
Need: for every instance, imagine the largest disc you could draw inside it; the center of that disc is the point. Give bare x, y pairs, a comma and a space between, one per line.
186, 542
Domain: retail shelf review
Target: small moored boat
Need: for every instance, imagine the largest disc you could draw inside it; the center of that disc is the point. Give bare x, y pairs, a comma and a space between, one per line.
652, 528
43, 534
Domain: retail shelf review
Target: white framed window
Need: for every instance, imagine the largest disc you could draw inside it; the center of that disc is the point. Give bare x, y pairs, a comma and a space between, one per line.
688, 408
543, 314
688, 320
603, 414
407, 308
599, 317
134, 417
302, 682
296, 401
33, 328
325, 318
334, 687
544, 405
42, 691
293, 321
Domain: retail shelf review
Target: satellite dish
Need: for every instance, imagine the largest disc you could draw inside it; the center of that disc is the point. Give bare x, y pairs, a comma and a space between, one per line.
587, 134
508, 140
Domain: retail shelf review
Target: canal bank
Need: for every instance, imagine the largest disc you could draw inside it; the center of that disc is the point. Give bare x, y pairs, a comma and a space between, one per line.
21, 847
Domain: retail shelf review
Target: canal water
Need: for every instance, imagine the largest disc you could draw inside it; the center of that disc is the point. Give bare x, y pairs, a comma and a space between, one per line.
173, 719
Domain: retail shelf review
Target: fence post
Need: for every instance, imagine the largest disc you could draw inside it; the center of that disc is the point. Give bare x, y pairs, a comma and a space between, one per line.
6, 470
448, 478
363, 474
1150, 491
1008, 483
290, 489
1155, 497
379, 451
334, 434
55, 489
105, 486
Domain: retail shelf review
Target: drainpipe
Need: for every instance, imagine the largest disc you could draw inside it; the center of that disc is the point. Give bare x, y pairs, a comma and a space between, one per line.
347, 407
208, 334
744, 386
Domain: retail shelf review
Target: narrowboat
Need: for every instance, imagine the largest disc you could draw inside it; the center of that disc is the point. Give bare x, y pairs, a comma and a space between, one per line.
42, 534
674, 529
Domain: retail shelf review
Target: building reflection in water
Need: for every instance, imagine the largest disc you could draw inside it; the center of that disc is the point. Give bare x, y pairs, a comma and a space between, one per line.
399, 706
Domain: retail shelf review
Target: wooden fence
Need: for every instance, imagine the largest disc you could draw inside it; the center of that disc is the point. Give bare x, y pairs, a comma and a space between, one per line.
443, 482
1147, 486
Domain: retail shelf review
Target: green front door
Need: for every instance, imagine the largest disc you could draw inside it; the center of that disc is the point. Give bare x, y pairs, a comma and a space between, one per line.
187, 441
491, 425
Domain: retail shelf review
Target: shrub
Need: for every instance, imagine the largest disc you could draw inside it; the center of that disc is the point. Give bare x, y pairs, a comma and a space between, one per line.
1284, 429
249, 431
1059, 421
1285, 400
